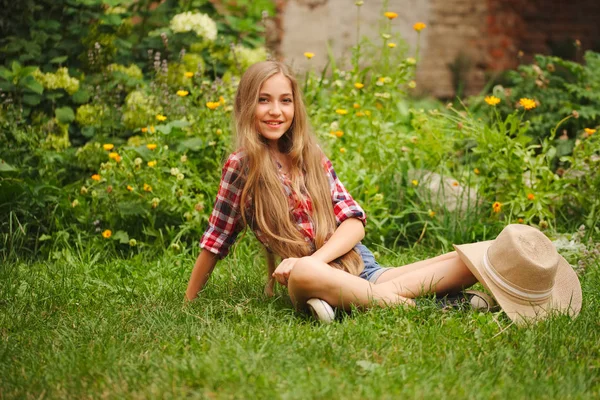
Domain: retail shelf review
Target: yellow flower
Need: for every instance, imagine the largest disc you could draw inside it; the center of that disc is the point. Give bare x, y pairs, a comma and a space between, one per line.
360, 114
530, 196
455, 183
368, 113
492, 100
390, 15
151, 146
219, 131
419, 26
431, 213
412, 84
130, 188
528, 104
152, 164
106, 234
342, 150
108, 146
414, 182
222, 100
359, 85
182, 93
520, 220
497, 206
391, 45
339, 133
309, 55
476, 170
589, 131
213, 104
161, 117
341, 111
114, 156
147, 188
144, 130
188, 74
152, 130
96, 177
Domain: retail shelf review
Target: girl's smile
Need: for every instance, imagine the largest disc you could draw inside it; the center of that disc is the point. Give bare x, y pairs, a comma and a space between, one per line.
275, 108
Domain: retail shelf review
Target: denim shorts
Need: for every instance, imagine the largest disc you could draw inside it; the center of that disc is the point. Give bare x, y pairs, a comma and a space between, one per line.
372, 269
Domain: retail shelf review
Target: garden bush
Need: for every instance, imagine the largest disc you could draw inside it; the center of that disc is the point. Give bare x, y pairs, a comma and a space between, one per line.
126, 151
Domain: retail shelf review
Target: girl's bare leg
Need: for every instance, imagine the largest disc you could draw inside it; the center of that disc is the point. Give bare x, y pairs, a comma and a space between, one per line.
441, 275
313, 278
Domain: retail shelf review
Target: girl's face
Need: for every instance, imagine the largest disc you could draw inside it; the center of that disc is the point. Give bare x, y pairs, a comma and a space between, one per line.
275, 109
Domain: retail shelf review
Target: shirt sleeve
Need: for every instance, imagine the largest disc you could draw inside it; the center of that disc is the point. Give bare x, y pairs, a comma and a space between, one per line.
224, 224
344, 206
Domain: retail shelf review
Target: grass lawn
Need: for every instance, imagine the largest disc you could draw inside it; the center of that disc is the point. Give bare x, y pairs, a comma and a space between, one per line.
86, 325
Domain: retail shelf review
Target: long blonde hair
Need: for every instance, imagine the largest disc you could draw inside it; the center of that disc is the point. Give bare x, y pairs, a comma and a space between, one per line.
270, 208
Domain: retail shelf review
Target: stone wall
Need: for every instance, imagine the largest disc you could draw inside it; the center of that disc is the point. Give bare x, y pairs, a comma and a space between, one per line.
465, 43
313, 25
456, 49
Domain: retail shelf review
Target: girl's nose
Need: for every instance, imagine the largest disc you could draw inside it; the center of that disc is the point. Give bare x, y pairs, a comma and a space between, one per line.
274, 110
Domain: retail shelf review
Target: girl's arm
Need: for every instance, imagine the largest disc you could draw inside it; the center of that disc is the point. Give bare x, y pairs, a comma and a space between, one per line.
345, 237
205, 263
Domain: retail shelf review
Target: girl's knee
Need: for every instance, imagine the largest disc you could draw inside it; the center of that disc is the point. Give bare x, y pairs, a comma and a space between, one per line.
305, 271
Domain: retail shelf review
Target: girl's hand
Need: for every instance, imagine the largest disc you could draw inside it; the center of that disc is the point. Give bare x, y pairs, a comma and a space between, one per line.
282, 272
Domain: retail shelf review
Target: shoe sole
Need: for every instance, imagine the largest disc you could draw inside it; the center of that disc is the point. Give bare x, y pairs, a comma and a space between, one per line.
321, 311
481, 301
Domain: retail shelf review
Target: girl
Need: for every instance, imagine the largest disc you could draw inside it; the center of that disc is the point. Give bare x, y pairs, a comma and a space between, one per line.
281, 185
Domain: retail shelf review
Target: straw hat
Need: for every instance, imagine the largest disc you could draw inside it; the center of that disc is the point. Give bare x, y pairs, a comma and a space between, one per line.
525, 273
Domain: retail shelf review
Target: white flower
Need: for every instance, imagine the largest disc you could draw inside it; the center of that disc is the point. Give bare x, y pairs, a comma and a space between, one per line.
174, 171
246, 57
200, 23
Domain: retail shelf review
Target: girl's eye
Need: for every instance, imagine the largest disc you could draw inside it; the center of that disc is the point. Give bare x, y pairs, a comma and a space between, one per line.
262, 100
287, 100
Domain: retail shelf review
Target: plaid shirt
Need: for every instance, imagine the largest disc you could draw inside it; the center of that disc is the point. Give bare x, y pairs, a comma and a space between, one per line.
225, 222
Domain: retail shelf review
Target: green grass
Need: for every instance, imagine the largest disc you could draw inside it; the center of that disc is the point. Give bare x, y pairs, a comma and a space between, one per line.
87, 325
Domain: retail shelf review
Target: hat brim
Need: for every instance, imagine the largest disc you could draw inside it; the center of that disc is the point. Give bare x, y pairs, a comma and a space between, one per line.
565, 297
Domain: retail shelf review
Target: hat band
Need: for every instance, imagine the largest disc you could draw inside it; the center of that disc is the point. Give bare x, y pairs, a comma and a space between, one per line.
506, 286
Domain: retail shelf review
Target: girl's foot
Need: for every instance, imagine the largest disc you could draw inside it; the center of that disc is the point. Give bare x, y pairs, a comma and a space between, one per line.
473, 299
321, 310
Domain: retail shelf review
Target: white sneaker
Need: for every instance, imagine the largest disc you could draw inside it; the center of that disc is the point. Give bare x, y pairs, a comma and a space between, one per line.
321, 310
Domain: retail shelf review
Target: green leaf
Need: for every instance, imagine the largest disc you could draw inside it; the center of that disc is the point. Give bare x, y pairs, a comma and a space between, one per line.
30, 83
16, 67
180, 123
65, 115
192, 144
164, 129
5, 167
44, 237
112, 3
59, 60
32, 99
5, 73
130, 208
54, 95
27, 71
81, 96
121, 236
111, 19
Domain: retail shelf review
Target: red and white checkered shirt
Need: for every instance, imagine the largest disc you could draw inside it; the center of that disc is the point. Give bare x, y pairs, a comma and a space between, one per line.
225, 222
